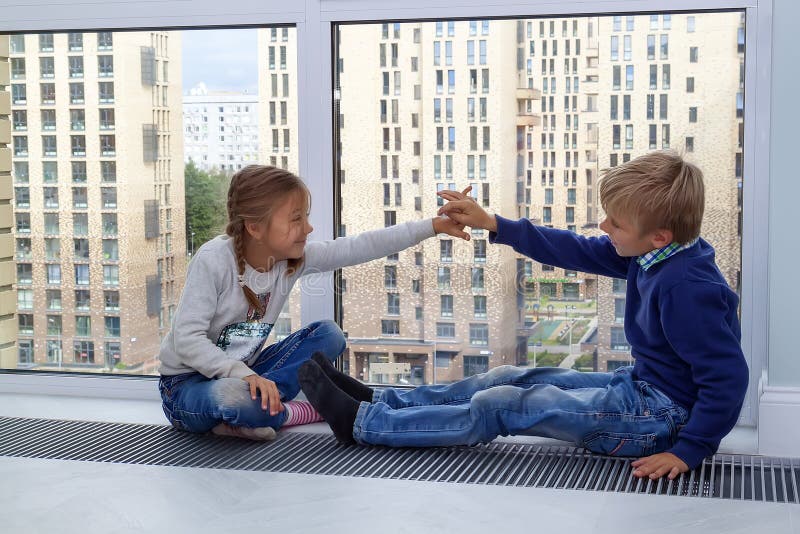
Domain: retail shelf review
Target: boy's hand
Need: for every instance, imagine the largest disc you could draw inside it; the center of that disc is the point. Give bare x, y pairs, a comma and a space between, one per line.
442, 225
658, 465
270, 396
464, 210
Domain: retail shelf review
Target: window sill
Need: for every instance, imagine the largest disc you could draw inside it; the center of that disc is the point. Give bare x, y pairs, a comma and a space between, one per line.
78, 407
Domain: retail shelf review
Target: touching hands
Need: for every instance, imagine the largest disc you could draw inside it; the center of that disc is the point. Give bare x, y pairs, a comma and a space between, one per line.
658, 465
448, 225
462, 209
270, 396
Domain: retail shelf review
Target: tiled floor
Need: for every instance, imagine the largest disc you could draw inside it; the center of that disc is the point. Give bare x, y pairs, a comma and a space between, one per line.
83, 497
61, 496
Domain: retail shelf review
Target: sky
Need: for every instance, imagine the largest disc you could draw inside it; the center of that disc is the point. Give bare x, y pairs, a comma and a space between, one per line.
225, 60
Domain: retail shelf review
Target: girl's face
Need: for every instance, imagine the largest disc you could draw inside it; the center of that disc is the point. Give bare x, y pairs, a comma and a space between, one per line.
288, 228
284, 235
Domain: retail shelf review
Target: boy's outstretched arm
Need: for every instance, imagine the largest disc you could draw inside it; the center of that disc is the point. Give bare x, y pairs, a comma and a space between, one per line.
560, 248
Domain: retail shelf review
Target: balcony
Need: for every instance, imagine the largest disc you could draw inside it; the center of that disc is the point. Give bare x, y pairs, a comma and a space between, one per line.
524, 93
528, 119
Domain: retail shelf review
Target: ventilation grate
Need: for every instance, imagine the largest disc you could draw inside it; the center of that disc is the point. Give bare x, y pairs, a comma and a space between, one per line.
505, 464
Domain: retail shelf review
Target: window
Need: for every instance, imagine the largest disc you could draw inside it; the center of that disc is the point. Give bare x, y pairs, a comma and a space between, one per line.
106, 92
112, 327
80, 198
81, 274
53, 273
23, 222
446, 305
50, 195
444, 330
111, 300
619, 310
53, 299
75, 42
76, 93
83, 301
479, 250
479, 334
22, 197
443, 278
19, 94
390, 327
83, 351
76, 66
474, 365
47, 67
80, 224
108, 196
24, 299
105, 66
24, 273
620, 134
105, 40
618, 339
111, 275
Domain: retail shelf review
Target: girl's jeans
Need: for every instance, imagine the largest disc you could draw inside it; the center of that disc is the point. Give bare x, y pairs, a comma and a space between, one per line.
607, 413
195, 403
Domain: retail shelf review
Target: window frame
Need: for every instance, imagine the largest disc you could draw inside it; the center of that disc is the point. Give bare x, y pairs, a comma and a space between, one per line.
315, 21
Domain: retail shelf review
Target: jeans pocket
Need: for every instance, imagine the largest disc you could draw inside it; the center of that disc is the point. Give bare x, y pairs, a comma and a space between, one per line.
620, 444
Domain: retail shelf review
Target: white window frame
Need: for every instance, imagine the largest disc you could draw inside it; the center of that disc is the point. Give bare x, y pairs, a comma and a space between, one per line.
314, 21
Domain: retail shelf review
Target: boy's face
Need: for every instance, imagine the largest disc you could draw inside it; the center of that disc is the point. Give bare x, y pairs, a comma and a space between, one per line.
627, 239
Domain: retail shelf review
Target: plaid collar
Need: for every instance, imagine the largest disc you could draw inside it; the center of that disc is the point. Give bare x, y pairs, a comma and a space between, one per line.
653, 257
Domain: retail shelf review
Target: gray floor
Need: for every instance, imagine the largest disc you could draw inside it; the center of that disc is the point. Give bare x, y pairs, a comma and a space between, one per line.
62, 496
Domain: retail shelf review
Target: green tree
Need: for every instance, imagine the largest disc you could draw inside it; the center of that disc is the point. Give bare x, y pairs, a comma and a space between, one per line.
206, 210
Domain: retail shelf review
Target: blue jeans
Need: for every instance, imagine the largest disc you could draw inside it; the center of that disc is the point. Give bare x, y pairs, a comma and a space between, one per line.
607, 413
195, 403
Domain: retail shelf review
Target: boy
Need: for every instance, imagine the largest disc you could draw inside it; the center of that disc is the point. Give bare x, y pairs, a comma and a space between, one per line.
671, 409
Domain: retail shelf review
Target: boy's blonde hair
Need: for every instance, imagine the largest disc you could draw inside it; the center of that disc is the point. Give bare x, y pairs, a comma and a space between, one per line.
659, 190
254, 194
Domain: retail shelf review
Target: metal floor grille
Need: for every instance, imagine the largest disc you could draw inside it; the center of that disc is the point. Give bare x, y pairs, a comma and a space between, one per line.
505, 464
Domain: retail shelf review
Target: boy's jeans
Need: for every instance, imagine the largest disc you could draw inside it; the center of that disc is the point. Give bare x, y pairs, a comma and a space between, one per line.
195, 403
607, 413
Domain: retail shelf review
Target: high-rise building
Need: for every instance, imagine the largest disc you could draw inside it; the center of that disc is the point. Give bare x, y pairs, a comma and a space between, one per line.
277, 97
527, 112
8, 301
220, 129
674, 82
98, 197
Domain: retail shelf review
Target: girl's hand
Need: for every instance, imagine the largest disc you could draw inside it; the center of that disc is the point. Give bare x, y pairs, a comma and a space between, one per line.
463, 209
445, 225
270, 396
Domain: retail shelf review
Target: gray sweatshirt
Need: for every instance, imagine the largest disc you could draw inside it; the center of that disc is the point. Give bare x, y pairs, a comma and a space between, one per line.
210, 331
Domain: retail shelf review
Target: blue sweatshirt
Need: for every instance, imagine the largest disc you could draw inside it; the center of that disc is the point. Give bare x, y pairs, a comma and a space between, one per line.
680, 320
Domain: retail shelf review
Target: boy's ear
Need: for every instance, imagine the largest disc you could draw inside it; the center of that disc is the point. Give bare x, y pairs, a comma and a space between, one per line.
661, 238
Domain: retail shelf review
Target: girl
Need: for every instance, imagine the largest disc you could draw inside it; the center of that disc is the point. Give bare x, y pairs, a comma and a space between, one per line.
215, 373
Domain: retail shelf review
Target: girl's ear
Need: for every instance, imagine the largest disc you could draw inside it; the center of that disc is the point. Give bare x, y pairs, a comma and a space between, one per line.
255, 229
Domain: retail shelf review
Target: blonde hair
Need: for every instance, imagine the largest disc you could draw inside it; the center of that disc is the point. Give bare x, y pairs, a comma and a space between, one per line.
659, 190
255, 192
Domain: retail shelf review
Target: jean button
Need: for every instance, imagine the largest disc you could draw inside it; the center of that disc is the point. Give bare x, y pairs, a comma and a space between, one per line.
647, 413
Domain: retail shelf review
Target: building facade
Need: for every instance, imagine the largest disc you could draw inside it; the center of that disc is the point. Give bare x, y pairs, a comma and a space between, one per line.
220, 129
98, 197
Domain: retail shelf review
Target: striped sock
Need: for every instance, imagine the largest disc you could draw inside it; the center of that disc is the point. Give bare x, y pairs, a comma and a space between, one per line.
300, 413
